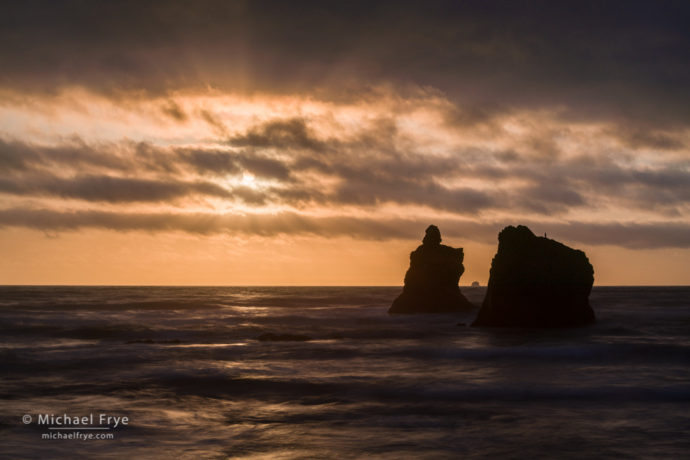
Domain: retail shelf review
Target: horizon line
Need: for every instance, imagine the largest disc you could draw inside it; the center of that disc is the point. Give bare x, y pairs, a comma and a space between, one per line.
294, 285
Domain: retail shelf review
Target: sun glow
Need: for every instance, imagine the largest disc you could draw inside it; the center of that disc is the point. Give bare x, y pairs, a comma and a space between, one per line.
249, 180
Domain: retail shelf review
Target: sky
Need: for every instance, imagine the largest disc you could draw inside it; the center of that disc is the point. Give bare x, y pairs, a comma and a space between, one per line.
311, 143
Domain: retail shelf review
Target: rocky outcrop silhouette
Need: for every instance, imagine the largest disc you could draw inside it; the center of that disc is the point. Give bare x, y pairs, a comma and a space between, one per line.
536, 282
431, 282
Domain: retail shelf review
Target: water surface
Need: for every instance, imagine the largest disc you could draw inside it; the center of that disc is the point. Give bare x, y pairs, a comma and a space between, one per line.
184, 364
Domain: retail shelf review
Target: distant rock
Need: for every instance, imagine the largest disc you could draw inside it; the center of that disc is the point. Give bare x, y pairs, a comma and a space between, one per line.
536, 282
475, 283
270, 337
431, 282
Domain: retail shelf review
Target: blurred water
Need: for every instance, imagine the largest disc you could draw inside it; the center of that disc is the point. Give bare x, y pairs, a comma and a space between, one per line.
184, 364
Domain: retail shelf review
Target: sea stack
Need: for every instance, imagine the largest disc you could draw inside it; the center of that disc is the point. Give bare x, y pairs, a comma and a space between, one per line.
431, 282
536, 282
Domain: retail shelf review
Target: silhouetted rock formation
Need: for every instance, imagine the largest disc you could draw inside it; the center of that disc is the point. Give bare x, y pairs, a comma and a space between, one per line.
536, 282
431, 282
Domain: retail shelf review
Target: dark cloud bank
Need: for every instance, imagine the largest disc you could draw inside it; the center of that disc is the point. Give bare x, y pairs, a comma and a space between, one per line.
618, 60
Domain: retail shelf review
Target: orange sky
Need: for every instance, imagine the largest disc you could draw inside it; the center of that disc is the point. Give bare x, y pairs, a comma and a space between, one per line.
201, 156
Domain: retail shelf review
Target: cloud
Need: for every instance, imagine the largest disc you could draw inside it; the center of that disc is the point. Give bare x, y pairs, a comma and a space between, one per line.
630, 235
280, 134
647, 235
643, 137
208, 223
20, 156
111, 189
174, 111
300, 164
215, 122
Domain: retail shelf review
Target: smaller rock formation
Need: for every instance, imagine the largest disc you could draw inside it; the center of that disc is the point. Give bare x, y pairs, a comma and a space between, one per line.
475, 283
431, 282
536, 282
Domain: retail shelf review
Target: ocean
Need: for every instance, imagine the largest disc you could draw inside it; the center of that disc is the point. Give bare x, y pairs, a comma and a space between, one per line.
325, 372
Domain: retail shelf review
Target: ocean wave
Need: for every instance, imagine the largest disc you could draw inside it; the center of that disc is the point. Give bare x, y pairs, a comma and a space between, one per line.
605, 353
348, 390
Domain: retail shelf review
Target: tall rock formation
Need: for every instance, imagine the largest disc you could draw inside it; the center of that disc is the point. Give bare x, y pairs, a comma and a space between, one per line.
431, 282
536, 282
